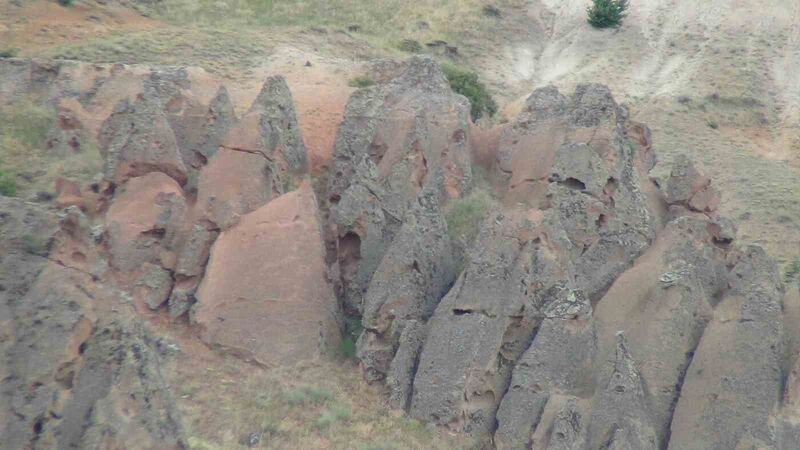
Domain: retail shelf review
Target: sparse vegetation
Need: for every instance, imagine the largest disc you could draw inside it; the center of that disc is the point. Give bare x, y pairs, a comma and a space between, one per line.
8, 185
334, 414
294, 407
9, 52
464, 218
307, 395
361, 81
607, 13
466, 82
352, 330
792, 273
35, 245
410, 46
26, 164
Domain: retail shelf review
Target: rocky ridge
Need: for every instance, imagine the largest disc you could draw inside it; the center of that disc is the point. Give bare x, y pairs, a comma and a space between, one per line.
596, 309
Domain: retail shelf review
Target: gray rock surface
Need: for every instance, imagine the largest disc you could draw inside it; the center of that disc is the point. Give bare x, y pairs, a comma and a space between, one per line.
405, 134
414, 274
735, 379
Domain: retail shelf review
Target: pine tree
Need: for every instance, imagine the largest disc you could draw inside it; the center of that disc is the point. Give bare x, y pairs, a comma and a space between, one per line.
607, 13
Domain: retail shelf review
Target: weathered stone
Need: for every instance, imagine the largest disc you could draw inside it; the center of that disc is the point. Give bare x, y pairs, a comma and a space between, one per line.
404, 364
620, 417
558, 362
689, 187
734, 381
663, 304
145, 218
194, 251
137, 139
579, 224
403, 135
413, 275
155, 284
256, 160
264, 295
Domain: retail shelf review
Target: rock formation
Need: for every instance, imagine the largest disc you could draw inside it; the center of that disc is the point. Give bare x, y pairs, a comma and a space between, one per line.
264, 295
595, 309
397, 139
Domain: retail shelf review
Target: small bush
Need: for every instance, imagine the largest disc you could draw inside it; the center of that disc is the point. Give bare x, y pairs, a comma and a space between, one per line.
9, 52
464, 218
361, 81
307, 395
607, 13
466, 83
792, 273
65, 2
35, 245
8, 185
712, 124
333, 415
26, 123
410, 46
352, 330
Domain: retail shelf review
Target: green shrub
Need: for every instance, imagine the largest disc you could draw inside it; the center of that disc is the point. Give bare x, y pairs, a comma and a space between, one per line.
352, 330
9, 52
35, 245
26, 123
464, 218
607, 13
307, 395
712, 124
466, 82
335, 414
361, 81
410, 46
8, 185
792, 273
65, 2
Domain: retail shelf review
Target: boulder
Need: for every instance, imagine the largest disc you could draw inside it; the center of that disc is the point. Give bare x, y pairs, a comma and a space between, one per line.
264, 295
690, 188
144, 219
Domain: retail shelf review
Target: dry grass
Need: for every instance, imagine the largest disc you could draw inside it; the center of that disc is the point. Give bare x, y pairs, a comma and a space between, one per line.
24, 158
388, 21
320, 405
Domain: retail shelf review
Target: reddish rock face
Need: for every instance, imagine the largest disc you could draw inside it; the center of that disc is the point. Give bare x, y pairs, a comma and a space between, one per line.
143, 219
265, 295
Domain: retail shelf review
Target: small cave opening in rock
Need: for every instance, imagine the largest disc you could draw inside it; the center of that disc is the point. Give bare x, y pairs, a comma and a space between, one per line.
574, 183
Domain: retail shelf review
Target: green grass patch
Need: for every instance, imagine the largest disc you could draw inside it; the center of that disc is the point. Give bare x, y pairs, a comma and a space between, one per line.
361, 81
464, 217
9, 52
307, 395
352, 330
8, 185
336, 413
792, 272
26, 123
465, 82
